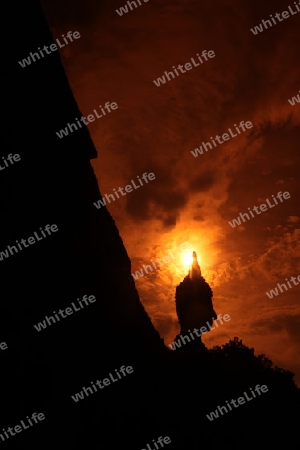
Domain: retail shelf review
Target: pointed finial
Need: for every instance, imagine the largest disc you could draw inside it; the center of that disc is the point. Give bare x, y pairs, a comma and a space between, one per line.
195, 270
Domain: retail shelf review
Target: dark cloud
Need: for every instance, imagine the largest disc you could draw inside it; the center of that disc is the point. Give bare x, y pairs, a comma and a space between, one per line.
201, 183
283, 322
161, 199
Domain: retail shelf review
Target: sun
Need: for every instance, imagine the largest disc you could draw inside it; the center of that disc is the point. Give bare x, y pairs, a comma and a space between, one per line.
187, 258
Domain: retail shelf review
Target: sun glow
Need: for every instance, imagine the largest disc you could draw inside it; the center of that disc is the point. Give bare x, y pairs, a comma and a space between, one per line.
187, 258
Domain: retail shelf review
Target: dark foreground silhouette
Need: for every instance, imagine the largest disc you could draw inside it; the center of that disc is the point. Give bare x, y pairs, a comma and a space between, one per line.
168, 394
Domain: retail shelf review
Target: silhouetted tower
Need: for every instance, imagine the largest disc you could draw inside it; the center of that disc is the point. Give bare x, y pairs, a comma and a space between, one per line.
194, 300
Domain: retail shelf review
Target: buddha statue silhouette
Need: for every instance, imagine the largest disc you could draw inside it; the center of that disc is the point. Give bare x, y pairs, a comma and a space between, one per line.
194, 300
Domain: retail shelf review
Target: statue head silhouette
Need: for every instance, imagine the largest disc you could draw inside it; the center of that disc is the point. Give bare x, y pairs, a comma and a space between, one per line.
194, 305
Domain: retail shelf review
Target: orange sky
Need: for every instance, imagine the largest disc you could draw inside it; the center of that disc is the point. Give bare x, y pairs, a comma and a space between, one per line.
192, 199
